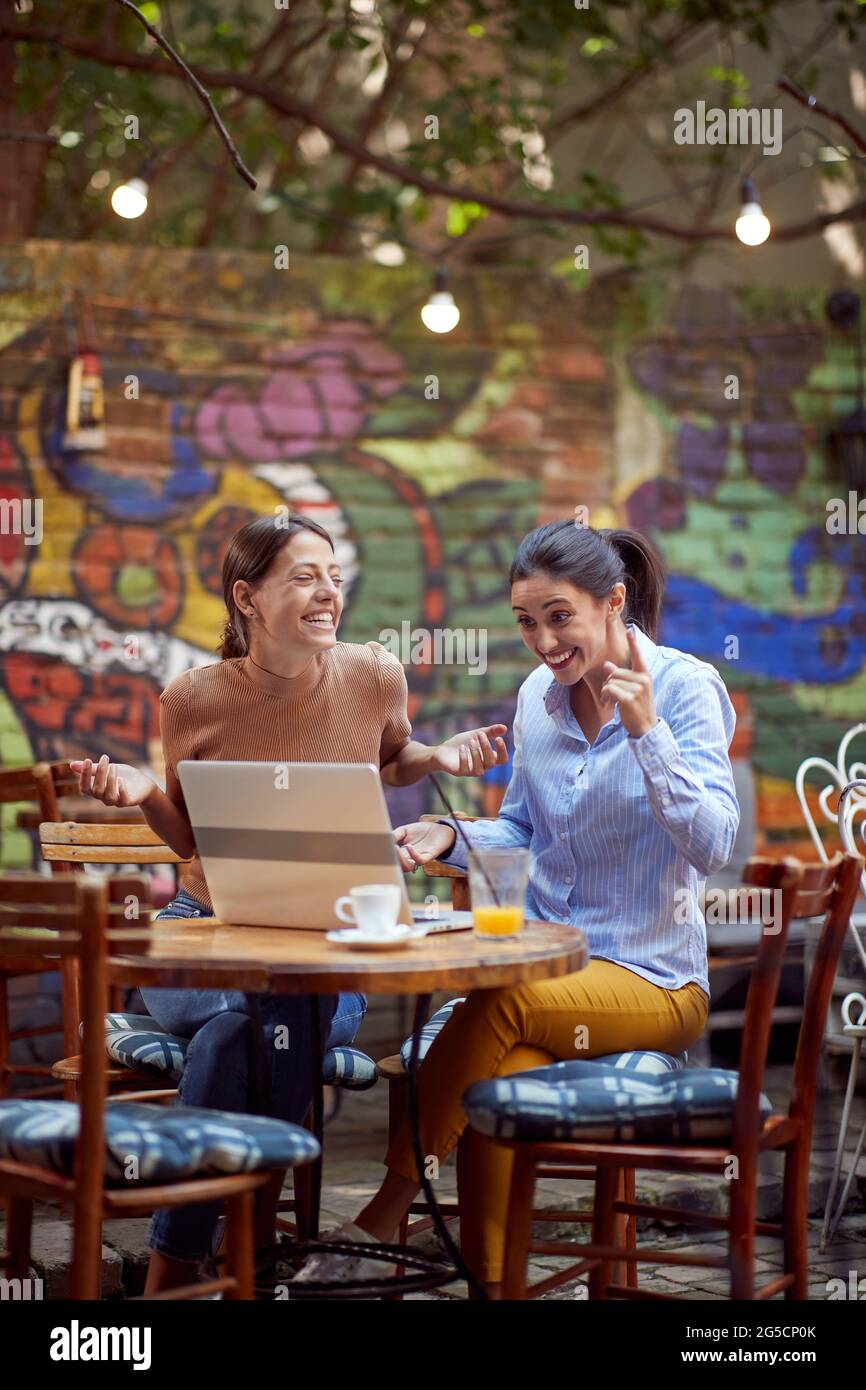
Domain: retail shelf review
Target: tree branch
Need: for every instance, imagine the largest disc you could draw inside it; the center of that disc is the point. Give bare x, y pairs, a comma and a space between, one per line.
617, 89
39, 136
311, 39
812, 104
290, 106
333, 242
202, 94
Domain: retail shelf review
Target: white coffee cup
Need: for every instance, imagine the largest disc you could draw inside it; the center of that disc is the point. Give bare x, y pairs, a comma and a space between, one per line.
373, 907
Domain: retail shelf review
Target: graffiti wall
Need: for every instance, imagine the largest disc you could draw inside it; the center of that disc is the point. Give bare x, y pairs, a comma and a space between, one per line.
233, 388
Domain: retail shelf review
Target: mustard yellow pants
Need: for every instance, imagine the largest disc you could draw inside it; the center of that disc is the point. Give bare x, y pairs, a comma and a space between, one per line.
604, 1008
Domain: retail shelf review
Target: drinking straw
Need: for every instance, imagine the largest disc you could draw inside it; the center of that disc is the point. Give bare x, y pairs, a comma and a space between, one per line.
447, 804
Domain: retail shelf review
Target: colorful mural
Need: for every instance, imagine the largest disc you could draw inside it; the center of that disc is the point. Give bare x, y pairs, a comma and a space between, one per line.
427, 460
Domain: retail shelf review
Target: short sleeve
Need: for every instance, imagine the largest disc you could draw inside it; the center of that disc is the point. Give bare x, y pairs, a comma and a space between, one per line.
394, 694
175, 724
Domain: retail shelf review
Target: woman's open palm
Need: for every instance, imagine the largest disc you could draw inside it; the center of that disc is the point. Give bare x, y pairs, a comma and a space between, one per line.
421, 842
114, 784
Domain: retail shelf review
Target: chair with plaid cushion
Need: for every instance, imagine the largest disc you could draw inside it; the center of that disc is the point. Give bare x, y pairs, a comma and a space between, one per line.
148, 1055
139, 1043
120, 1160
693, 1121
394, 1070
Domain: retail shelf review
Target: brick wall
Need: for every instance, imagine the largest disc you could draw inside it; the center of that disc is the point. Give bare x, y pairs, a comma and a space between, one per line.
233, 388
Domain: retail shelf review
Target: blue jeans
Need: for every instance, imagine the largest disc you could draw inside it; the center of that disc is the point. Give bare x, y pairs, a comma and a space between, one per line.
222, 1072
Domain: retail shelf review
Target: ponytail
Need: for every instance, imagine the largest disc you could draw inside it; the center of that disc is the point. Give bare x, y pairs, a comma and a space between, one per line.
595, 561
644, 578
233, 643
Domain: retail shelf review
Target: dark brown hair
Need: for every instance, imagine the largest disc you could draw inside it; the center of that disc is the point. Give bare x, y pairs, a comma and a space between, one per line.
594, 561
252, 550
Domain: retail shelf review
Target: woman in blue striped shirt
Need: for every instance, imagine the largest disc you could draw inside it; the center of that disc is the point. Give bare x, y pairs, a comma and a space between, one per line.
622, 789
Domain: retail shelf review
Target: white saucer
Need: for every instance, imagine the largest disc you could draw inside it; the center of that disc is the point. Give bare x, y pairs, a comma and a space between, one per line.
358, 940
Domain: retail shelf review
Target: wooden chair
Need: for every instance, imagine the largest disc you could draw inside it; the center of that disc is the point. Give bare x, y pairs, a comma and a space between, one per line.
458, 878
67, 845
809, 891
78, 905
392, 1071
41, 785
73, 843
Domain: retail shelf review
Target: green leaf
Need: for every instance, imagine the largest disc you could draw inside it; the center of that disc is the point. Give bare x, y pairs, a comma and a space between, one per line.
596, 45
461, 216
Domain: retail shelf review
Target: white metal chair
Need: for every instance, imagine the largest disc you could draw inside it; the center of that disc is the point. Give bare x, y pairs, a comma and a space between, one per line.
849, 781
855, 1029
852, 801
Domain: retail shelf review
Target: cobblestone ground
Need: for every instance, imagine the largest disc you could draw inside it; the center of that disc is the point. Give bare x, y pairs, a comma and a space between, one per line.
354, 1145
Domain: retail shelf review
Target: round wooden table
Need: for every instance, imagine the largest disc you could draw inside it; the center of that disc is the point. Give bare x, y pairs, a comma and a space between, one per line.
204, 953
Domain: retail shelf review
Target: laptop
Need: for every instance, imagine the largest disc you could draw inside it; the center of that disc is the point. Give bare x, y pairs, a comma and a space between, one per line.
280, 842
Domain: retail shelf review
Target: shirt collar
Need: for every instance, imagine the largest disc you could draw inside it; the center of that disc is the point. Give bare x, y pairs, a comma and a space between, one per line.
556, 696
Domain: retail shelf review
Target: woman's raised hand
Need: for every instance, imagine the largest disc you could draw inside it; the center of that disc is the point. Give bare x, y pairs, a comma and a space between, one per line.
471, 753
632, 689
114, 784
421, 842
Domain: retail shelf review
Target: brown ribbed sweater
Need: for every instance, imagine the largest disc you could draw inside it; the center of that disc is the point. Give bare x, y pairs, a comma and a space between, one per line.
348, 706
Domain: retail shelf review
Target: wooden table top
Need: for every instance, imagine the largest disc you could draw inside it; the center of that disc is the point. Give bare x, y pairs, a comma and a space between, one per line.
205, 953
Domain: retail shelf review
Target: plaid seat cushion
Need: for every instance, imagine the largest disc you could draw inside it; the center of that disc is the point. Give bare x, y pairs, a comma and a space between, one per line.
585, 1100
152, 1144
644, 1062
431, 1030
137, 1041
349, 1068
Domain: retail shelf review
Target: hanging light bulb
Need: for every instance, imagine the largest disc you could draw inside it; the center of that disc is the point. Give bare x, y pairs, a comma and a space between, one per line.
440, 314
752, 227
129, 199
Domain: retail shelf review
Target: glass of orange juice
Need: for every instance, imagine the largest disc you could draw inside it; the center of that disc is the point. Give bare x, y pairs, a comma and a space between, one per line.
497, 887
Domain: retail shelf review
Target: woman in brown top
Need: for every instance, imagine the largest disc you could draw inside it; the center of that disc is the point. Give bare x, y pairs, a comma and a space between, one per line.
285, 691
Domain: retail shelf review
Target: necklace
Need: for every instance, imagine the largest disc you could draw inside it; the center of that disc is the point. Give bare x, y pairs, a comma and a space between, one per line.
278, 675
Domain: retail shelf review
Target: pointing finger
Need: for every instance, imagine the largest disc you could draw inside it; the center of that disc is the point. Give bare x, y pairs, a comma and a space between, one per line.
637, 661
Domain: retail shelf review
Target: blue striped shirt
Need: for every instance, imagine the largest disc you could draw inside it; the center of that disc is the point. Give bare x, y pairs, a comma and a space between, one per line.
623, 833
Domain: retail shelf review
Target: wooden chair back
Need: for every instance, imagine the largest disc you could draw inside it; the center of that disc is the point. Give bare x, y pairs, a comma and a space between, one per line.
65, 781
801, 890
73, 842
833, 892
438, 868
30, 784
120, 889
44, 784
73, 918
67, 845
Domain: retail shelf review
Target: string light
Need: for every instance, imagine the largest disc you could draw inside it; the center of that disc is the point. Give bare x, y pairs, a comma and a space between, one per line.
752, 227
440, 314
129, 199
